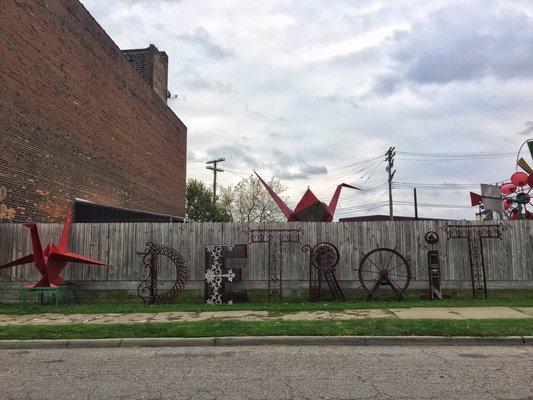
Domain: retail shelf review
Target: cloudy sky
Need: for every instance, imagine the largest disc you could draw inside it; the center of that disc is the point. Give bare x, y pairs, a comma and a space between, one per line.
315, 92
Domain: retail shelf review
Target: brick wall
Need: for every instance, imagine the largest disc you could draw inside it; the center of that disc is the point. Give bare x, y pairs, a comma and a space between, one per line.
77, 119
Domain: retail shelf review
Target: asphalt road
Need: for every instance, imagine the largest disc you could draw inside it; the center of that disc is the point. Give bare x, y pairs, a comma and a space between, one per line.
278, 372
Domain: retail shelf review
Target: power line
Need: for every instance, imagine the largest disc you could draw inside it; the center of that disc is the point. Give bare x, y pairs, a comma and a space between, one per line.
455, 155
382, 204
363, 207
434, 205
377, 201
237, 173
340, 172
373, 158
352, 180
435, 186
366, 192
371, 173
446, 157
465, 159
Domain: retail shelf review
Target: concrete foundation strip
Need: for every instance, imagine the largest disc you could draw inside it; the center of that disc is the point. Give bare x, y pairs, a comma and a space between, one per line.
271, 341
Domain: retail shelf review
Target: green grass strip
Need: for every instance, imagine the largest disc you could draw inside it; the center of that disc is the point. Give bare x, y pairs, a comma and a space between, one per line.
137, 306
369, 327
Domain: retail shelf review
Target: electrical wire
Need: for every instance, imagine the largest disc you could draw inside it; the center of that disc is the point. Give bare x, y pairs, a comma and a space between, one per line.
454, 155
434, 186
336, 173
405, 203
439, 157
432, 205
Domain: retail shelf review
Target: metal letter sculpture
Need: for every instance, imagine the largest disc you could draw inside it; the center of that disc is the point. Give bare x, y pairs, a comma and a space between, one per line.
275, 238
475, 235
223, 264
53, 259
385, 277
309, 208
147, 289
432, 238
323, 259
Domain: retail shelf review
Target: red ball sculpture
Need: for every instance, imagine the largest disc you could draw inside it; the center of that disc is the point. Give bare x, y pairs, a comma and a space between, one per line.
517, 196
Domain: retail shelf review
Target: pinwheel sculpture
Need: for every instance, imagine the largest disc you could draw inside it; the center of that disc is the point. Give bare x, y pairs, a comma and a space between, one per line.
517, 196
53, 259
309, 208
517, 193
521, 161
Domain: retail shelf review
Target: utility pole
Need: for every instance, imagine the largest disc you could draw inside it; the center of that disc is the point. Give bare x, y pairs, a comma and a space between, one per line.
390, 158
416, 203
215, 169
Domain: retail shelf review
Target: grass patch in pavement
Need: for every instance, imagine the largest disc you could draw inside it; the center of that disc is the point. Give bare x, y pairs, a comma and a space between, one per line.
366, 327
285, 307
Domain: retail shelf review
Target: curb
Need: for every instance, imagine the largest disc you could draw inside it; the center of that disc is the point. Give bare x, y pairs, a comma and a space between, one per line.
270, 341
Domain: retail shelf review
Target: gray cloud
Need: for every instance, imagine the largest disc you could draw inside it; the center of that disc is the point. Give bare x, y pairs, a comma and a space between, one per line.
528, 130
460, 44
197, 84
237, 156
386, 83
305, 171
352, 101
243, 157
203, 39
371, 54
264, 116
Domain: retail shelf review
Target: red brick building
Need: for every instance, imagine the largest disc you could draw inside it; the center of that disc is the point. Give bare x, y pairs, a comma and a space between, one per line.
80, 119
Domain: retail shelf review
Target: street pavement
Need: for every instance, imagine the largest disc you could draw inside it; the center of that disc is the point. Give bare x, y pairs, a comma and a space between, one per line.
269, 372
181, 316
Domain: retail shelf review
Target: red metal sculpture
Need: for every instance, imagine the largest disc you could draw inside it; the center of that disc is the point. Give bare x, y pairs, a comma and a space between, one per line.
517, 196
53, 259
309, 208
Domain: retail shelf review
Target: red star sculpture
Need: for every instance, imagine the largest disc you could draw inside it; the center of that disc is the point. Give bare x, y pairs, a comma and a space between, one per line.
53, 259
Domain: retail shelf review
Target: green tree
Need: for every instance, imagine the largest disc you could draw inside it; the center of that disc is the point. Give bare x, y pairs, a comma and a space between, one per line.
248, 201
200, 205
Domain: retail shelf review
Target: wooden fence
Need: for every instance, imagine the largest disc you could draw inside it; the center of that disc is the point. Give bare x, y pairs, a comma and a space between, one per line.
509, 259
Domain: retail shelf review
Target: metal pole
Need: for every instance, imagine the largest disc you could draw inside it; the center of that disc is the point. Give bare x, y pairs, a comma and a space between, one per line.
390, 159
416, 204
215, 184
215, 170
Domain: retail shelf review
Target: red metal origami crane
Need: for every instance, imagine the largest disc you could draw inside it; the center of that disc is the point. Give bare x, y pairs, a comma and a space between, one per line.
53, 259
309, 208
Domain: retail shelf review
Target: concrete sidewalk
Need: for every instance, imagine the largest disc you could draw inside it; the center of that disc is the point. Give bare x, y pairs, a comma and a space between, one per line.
401, 313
